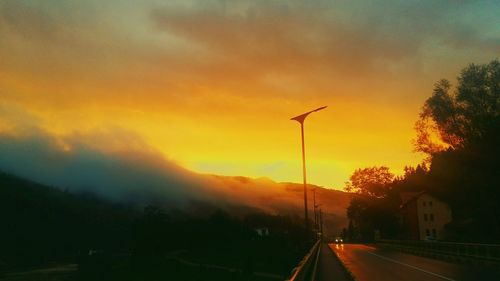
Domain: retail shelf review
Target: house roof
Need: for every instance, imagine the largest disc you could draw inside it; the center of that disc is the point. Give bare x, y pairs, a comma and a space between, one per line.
407, 197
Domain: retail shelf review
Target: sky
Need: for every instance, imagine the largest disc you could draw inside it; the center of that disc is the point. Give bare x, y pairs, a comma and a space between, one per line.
211, 85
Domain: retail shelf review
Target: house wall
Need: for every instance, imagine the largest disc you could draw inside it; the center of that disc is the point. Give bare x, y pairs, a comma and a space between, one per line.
433, 215
410, 217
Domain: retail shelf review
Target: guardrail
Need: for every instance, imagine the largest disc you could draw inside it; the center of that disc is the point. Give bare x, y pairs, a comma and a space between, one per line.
489, 253
306, 269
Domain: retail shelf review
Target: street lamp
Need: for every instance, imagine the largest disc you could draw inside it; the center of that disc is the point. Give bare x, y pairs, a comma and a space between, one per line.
301, 119
321, 221
314, 205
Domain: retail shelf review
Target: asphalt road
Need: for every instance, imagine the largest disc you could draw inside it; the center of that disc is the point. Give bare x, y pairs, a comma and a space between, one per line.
368, 263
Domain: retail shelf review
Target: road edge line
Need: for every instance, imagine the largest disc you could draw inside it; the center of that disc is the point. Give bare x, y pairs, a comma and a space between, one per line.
411, 266
349, 273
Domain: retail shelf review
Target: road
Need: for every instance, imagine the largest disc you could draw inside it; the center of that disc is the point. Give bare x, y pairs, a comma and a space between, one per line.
329, 268
368, 263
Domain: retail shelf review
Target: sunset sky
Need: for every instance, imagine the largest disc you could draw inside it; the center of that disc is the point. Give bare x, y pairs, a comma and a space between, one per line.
211, 85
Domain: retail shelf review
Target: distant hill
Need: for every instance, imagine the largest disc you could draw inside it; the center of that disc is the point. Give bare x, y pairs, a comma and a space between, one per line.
34, 213
285, 198
137, 175
44, 226
237, 195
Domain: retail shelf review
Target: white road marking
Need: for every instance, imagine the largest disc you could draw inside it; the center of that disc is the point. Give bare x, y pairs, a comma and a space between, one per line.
411, 266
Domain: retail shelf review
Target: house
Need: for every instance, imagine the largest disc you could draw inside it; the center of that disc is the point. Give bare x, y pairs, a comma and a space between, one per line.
423, 216
262, 231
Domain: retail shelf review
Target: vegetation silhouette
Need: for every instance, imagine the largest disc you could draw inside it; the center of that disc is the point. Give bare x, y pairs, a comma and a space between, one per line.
46, 226
459, 131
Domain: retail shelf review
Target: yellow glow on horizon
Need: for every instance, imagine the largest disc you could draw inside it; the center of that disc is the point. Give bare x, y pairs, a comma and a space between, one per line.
249, 144
212, 87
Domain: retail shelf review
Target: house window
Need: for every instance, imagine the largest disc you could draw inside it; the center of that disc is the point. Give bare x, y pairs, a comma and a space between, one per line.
431, 217
424, 203
425, 217
427, 232
434, 232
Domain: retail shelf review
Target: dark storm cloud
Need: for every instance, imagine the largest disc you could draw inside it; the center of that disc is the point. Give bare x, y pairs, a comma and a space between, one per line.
336, 35
27, 21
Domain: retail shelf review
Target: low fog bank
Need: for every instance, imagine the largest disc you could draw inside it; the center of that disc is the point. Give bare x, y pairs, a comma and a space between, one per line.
128, 170
133, 173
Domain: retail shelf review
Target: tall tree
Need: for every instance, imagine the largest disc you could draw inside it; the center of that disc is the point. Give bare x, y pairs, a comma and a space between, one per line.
466, 116
372, 181
459, 127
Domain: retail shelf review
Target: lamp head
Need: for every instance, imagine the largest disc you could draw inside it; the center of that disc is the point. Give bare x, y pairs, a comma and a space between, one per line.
302, 117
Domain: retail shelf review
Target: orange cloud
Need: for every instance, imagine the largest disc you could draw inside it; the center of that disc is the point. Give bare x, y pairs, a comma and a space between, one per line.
212, 84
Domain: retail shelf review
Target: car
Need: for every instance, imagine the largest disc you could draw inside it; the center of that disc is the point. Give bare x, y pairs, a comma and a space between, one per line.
430, 239
339, 240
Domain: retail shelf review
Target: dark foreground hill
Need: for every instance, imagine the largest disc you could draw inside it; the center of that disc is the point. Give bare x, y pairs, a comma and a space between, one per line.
43, 226
134, 173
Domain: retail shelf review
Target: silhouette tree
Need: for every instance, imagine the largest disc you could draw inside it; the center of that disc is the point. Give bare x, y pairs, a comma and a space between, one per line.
467, 116
372, 181
459, 128
375, 206
368, 214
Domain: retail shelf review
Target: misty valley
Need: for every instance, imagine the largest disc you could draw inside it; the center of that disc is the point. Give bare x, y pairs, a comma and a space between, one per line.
52, 234
249, 140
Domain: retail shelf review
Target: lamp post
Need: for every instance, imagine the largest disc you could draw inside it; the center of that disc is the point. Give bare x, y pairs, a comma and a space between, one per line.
300, 119
314, 205
321, 221
317, 210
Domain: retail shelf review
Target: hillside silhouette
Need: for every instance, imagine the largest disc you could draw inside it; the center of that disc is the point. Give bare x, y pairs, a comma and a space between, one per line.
49, 225
136, 174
